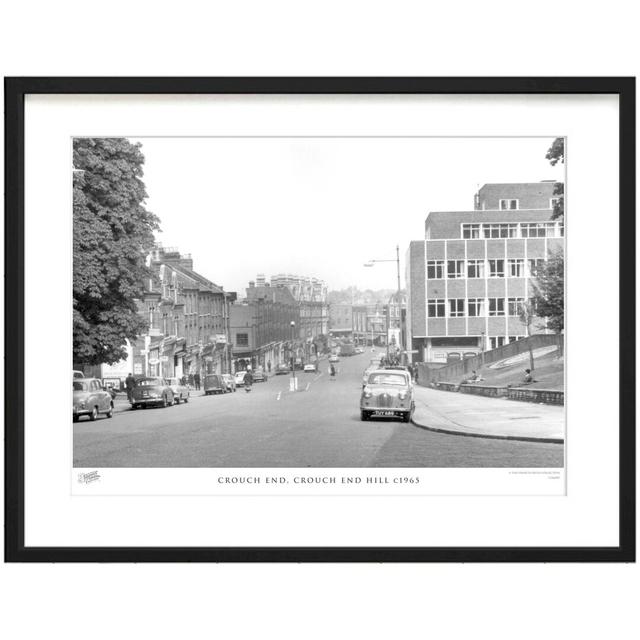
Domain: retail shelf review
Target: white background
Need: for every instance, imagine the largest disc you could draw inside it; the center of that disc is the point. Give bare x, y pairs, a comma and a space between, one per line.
400, 38
587, 516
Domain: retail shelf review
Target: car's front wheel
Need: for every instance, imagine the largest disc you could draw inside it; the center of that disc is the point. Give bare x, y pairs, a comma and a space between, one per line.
109, 413
165, 402
94, 414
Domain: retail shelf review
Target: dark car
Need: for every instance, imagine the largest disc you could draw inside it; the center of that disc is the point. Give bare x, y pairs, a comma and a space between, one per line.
282, 369
152, 391
214, 383
258, 376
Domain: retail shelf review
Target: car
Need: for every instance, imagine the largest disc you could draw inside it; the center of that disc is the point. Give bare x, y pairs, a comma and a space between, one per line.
180, 391
214, 383
151, 391
90, 399
229, 381
310, 368
359, 350
334, 358
239, 378
77, 374
258, 376
387, 394
282, 369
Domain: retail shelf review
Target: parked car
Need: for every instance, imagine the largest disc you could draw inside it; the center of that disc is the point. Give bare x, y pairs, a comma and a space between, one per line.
387, 394
151, 391
77, 374
359, 350
239, 378
180, 391
334, 358
310, 368
282, 369
214, 383
90, 399
258, 376
229, 381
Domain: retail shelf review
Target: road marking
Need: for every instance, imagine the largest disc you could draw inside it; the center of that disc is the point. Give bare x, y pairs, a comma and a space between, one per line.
279, 394
308, 385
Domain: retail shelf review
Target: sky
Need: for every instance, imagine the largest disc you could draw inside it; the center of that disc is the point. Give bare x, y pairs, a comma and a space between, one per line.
319, 207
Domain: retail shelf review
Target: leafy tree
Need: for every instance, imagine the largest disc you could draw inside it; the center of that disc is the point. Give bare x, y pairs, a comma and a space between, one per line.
548, 291
112, 236
555, 154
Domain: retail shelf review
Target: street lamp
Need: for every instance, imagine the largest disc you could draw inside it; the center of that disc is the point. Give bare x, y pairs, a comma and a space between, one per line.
372, 263
293, 361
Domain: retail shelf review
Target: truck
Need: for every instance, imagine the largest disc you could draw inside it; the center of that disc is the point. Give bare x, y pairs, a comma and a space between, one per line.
347, 350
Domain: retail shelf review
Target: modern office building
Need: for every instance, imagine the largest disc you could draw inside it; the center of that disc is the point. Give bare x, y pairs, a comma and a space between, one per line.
468, 279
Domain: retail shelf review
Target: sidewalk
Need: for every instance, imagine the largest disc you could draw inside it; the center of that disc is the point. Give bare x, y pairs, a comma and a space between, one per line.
472, 415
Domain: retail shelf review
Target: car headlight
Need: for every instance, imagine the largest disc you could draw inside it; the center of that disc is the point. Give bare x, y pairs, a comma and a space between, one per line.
402, 395
367, 393
82, 404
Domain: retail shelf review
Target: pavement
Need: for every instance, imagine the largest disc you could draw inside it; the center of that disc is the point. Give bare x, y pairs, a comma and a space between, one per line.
471, 415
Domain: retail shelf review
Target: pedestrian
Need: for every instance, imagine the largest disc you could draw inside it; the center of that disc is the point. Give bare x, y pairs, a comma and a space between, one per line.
248, 380
191, 383
269, 366
130, 383
528, 377
196, 380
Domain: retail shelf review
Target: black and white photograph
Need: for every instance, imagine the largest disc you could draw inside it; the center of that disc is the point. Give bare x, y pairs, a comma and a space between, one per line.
318, 302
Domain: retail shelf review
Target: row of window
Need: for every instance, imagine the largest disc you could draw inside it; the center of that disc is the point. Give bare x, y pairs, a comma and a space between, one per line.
515, 268
513, 230
474, 307
514, 203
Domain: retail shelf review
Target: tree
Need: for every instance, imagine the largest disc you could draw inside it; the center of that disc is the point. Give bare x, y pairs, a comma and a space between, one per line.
526, 313
548, 291
112, 237
555, 154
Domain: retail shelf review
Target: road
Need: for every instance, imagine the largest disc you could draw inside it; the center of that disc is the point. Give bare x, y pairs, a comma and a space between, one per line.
317, 426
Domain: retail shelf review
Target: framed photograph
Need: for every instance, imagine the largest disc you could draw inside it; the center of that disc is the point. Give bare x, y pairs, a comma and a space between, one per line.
320, 319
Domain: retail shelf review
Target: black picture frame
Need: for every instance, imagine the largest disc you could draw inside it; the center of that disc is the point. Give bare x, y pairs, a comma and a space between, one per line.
15, 91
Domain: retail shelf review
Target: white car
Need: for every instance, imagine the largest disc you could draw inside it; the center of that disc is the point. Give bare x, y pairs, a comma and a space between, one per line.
239, 378
310, 368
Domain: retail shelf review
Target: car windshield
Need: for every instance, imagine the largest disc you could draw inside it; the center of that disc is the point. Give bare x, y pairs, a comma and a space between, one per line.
80, 386
149, 382
388, 378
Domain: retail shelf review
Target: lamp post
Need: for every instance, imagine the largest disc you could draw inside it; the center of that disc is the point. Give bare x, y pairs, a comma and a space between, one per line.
293, 357
371, 263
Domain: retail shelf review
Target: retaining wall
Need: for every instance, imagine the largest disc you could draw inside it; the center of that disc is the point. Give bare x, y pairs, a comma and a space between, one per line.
458, 370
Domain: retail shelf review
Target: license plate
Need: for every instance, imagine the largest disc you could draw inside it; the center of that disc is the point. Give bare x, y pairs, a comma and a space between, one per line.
383, 414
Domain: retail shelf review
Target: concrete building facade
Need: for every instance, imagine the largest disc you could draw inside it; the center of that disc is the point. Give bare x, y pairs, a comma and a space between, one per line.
468, 280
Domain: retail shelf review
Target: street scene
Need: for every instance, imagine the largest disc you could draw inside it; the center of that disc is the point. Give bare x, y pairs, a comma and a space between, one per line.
439, 343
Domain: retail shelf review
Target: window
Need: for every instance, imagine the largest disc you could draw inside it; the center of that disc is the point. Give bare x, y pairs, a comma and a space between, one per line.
470, 230
496, 268
496, 341
476, 307
496, 306
553, 202
499, 230
435, 269
516, 268
508, 204
515, 306
242, 339
455, 268
540, 230
435, 308
534, 265
515, 338
475, 268
456, 307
